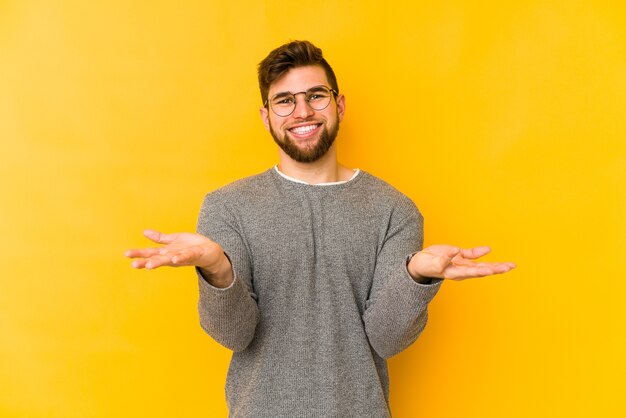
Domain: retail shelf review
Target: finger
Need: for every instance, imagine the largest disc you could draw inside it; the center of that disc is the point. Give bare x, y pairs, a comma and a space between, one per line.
185, 257
159, 237
465, 273
188, 256
462, 273
477, 272
142, 252
476, 252
497, 266
460, 261
159, 261
139, 264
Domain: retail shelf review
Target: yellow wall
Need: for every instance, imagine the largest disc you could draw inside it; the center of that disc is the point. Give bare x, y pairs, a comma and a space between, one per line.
504, 121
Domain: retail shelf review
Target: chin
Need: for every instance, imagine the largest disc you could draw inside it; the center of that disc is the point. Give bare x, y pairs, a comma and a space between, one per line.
306, 150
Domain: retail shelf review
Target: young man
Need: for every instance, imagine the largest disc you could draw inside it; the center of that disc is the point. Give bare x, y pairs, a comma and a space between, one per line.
311, 271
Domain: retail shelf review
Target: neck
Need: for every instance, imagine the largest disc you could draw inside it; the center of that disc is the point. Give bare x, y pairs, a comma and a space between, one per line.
325, 170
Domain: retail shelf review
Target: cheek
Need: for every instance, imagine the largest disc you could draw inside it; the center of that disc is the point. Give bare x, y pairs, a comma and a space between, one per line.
271, 125
277, 125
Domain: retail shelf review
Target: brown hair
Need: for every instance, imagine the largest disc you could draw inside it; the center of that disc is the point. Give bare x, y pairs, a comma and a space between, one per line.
291, 55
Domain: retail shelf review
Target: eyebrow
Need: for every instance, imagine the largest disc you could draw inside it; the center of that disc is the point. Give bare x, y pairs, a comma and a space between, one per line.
282, 94
313, 89
318, 88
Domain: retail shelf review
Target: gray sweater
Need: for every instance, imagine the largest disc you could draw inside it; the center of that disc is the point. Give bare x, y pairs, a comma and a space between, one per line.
321, 295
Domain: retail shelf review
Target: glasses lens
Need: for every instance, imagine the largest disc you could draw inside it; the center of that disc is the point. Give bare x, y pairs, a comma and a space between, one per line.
318, 97
283, 104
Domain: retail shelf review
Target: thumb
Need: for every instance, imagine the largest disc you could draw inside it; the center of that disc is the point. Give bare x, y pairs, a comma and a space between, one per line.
452, 252
159, 237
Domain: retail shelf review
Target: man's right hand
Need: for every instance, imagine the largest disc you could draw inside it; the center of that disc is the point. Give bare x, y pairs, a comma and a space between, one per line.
185, 249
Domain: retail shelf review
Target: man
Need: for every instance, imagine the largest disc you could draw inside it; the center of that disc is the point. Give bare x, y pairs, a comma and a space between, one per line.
310, 272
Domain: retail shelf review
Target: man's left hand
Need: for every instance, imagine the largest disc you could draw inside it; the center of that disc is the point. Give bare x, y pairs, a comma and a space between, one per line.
453, 263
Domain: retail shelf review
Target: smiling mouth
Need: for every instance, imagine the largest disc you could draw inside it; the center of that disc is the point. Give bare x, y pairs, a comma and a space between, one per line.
305, 130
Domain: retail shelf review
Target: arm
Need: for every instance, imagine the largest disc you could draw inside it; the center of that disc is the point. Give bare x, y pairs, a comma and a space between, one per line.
230, 314
396, 310
227, 306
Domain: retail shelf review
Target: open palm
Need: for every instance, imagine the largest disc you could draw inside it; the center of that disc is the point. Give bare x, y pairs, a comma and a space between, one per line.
454, 263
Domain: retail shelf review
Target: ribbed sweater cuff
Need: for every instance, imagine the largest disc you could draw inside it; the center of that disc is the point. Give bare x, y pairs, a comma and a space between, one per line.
419, 293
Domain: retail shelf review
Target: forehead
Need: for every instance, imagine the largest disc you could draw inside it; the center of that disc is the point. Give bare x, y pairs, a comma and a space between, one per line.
299, 79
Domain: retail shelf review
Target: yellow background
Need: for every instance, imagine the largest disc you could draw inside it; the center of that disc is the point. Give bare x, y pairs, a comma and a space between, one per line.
504, 121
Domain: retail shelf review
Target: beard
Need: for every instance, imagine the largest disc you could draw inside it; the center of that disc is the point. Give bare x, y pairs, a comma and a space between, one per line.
311, 154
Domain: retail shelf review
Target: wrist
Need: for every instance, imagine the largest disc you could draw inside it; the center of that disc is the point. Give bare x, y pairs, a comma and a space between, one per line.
219, 274
415, 275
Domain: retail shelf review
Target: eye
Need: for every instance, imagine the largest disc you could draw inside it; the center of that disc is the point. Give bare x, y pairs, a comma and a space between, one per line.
317, 95
283, 101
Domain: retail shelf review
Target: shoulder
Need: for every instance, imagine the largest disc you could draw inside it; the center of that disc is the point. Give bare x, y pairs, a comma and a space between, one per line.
382, 192
242, 189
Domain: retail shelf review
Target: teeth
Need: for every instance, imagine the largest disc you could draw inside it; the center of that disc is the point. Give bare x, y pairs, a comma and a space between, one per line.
301, 130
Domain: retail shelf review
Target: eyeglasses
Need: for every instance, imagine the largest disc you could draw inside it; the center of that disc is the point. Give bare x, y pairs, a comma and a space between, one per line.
283, 104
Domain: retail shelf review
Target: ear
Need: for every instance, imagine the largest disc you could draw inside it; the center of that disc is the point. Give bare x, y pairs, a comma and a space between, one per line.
341, 106
265, 117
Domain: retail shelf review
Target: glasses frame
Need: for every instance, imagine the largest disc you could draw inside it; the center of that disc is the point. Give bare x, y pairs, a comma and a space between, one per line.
268, 103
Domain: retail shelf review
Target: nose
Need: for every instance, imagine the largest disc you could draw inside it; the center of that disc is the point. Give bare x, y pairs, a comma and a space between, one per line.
302, 110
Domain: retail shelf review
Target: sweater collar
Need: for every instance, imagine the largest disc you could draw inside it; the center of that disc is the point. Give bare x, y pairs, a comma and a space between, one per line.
356, 173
